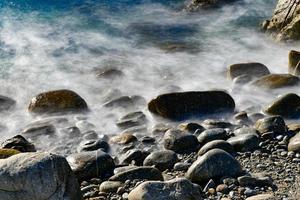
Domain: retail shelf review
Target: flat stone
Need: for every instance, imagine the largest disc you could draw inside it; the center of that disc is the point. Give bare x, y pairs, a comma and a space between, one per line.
262, 197
294, 144
19, 143
245, 142
110, 186
212, 134
274, 81
162, 160
255, 70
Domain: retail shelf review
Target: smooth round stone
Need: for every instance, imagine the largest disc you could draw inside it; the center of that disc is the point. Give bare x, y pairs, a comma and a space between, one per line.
274, 124
275, 81
222, 188
262, 197
179, 141
92, 145
162, 160
216, 144
212, 134
134, 155
250, 69
245, 142
181, 166
294, 144
110, 186
215, 163
124, 138
244, 130
212, 124
19, 143
191, 127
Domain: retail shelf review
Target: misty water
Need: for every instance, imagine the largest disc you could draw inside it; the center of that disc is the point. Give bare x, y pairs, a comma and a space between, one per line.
58, 44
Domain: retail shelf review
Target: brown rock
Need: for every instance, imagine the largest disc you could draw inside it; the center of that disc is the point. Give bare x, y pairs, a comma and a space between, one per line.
274, 81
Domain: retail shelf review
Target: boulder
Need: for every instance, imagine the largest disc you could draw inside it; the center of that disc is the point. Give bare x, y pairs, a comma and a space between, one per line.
179, 141
6, 153
294, 60
91, 164
125, 102
37, 176
273, 124
216, 144
215, 163
37, 129
19, 143
110, 186
287, 105
179, 188
254, 70
179, 106
141, 173
262, 197
57, 101
162, 160
245, 142
6, 103
294, 144
284, 24
196, 5
275, 81
136, 155
212, 134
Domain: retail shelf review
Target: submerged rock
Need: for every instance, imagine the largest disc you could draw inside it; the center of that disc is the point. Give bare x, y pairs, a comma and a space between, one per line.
196, 5
294, 144
179, 188
110, 73
123, 138
6, 103
254, 70
178, 106
91, 164
286, 106
36, 129
213, 164
6, 153
125, 101
19, 143
285, 22
56, 102
274, 81
37, 176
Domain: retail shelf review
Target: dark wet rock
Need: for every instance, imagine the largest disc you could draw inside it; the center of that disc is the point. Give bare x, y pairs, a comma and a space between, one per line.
255, 180
178, 106
19, 143
287, 106
274, 124
142, 173
284, 24
132, 119
91, 164
160, 129
294, 60
241, 116
173, 47
274, 81
213, 164
37, 129
191, 127
57, 101
244, 142
125, 101
241, 80
90, 135
92, 145
123, 138
118, 170
210, 184
110, 186
6, 153
37, 176
212, 134
147, 140
6, 103
179, 188
262, 197
216, 144
211, 124
196, 5
110, 73
162, 160
294, 144
254, 70
134, 155
256, 116
245, 130
182, 166
179, 141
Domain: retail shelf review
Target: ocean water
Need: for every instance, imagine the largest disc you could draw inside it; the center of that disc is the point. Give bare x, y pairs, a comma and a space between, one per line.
56, 44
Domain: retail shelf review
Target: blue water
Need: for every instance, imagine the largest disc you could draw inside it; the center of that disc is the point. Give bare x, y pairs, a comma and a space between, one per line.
54, 44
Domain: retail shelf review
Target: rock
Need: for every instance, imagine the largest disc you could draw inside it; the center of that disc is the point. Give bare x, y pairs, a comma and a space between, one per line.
125, 101
162, 160
256, 180
141, 173
210, 124
216, 144
179, 141
210, 184
182, 166
110, 186
295, 127
179, 106
274, 124
191, 127
294, 144
19, 143
124, 168
179, 188
92, 145
124, 138
284, 24
254, 70
287, 106
36, 129
222, 188
294, 60
56, 102
71, 131
262, 197
173, 47
109, 73
274, 81
212, 134
131, 120
91, 164
37, 176
245, 130
245, 142
241, 80
215, 163
136, 155
196, 5
6, 103
6, 153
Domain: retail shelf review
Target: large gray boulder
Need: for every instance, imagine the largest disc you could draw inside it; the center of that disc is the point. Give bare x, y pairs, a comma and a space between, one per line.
285, 22
179, 188
36, 176
215, 163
